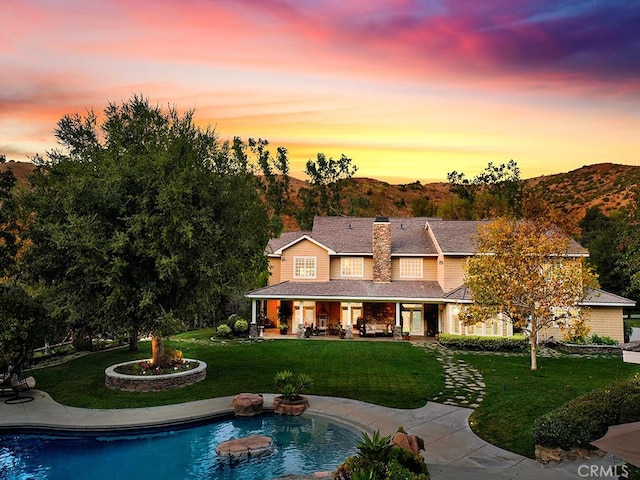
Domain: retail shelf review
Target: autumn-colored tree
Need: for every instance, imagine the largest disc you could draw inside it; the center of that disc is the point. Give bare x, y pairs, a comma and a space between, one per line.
529, 273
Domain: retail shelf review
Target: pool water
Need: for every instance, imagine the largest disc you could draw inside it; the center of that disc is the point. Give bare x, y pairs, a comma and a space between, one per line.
302, 445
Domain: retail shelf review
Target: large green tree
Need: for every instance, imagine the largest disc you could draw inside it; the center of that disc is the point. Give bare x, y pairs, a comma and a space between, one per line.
606, 238
144, 222
496, 191
327, 179
524, 271
21, 318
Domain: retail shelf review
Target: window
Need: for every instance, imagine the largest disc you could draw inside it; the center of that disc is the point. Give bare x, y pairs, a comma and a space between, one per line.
304, 267
352, 266
411, 268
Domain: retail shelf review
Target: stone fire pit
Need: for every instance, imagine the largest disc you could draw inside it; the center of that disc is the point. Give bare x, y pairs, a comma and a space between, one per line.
153, 383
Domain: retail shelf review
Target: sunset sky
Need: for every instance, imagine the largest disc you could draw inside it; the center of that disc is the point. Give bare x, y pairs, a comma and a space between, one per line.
410, 90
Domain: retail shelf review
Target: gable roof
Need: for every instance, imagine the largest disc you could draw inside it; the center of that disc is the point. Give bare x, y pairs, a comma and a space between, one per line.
409, 236
354, 235
455, 237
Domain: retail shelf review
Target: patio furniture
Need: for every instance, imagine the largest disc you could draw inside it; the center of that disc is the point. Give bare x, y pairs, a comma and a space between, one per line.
18, 384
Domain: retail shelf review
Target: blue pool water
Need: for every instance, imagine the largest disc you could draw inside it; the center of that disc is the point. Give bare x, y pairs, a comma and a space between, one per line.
302, 445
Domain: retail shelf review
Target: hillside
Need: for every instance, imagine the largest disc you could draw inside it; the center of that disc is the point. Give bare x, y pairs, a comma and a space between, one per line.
606, 185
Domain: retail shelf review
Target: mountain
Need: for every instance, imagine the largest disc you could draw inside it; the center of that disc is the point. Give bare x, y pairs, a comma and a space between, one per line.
607, 185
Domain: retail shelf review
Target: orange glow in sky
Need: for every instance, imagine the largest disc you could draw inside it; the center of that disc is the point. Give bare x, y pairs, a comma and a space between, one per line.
410, 90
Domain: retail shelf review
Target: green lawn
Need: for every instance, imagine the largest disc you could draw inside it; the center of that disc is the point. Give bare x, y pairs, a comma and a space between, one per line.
393, 374
516, 396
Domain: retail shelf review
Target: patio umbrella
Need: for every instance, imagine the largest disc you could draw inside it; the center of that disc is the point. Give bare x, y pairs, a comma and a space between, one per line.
623, 441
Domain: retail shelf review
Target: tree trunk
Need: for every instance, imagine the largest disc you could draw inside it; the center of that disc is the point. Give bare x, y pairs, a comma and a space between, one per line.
133, 342
534, 345
157, 351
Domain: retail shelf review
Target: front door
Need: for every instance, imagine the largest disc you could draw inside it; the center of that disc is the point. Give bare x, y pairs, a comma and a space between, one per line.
412, 319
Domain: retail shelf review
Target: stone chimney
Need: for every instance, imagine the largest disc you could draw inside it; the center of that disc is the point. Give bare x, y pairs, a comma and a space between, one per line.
381, 250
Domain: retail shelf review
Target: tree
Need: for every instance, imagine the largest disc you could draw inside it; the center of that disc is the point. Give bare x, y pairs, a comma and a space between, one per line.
328, 178
21, 318
606, 238
496, 191
524, 271
272, 176
629, 248
145, 222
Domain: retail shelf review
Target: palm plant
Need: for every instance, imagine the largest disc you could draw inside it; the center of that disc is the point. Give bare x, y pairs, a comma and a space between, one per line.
374, 450
291, 387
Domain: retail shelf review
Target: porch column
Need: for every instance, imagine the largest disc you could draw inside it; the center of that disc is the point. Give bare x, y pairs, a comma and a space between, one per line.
349, 315
253, 328
397, 328
254, 316
300, 328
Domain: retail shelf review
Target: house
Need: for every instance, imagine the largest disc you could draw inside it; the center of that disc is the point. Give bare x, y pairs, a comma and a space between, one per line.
389, 276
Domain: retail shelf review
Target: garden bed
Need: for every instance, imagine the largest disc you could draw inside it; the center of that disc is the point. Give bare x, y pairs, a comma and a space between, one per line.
153, 383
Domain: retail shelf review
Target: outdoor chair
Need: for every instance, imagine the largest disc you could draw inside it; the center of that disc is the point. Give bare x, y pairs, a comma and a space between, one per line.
18, 384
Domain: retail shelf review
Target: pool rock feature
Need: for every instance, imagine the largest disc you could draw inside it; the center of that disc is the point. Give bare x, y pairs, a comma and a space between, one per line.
247, 404
246, 447
406, 442
290, 407
153, 383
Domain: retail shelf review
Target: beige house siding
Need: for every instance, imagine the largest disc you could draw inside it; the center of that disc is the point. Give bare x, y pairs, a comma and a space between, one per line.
453, 273
274, 271
431, 269
305, 248
605, 322
336, 269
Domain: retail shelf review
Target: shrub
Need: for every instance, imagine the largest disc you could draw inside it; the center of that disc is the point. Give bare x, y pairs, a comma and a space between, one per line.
630, 410
223, 331
516, 343
584, 419
377, 458
232, 319
594, 339
290, 386
241, 326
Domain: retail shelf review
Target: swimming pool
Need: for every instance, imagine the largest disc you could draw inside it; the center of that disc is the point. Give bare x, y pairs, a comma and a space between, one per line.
302, 445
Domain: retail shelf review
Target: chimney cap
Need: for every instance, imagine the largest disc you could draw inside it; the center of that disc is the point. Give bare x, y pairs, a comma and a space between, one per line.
381, 220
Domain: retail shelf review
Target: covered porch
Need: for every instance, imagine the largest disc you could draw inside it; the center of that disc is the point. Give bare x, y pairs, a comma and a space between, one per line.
374, 313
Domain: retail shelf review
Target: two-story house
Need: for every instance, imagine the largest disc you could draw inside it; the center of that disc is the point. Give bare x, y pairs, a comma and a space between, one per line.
398, 274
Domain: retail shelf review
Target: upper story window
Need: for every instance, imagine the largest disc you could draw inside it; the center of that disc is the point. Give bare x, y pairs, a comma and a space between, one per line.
352, 267
411, 268
304, 267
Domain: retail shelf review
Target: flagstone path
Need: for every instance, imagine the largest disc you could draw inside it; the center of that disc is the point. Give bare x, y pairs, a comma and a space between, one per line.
463, 384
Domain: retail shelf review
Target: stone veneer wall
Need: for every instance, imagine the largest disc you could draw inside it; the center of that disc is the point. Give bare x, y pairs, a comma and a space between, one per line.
380, 312
153, 383
381, 250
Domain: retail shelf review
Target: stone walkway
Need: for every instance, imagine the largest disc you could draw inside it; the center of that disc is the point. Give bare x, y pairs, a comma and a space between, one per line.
464, 385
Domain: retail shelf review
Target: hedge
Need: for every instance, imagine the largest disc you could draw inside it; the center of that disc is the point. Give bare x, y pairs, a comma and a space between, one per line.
585, 419
516, 343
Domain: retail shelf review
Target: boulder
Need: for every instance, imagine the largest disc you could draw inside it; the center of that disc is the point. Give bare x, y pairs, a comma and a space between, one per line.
247, 404
406, 442
246, 447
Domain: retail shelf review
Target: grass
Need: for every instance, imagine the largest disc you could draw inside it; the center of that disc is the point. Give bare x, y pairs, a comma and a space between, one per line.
516, 396
393, 374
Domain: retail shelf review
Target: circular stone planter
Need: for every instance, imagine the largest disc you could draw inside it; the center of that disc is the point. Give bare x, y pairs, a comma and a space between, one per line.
153, 383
